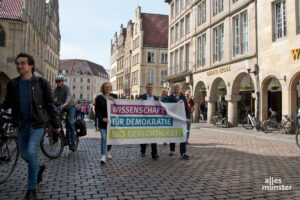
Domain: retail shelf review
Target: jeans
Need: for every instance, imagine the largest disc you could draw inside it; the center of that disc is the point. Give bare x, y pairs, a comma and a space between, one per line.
103, 133
29, 141
182, 147
153, 148
71, 121
188, 131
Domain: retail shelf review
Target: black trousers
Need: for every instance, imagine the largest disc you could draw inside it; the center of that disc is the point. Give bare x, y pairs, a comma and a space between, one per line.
182, 147
153, 148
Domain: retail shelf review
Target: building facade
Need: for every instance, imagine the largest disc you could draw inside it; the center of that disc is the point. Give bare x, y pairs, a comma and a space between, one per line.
143, 54
210, 45
31, 27
114, 63
83, 77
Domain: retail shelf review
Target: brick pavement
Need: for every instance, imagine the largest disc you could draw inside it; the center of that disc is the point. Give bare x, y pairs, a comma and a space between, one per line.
224, 165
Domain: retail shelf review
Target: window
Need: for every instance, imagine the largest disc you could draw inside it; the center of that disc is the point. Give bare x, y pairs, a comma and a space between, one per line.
172, 10
88, 80
218, 41
176, 62
171, 63
181, 59
163, 75
150, 57
177, 6
81, 87
182, 28
2, 37
172, 35
187, 56
176, 31
74, 87
280, 19
240, 34
233, 1
182, 4
88, 87
201, 13
218, 6
88, 96
81, 80
150, 77
164, 58
66, 80
136, 43
187, 24
201, 61
298, 15
80, 96
188, 1
135, 59
135, 78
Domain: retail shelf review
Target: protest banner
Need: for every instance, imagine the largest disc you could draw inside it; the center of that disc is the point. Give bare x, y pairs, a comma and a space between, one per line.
141, 122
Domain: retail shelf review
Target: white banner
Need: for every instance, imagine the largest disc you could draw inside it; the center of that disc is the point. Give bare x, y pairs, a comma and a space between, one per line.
142, 122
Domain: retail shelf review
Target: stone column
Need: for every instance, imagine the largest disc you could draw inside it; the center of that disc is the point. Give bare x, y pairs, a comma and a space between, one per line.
232, 111
211, 108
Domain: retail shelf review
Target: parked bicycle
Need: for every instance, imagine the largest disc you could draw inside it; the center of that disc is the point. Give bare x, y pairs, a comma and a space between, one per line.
53, 143
285, 126
9, 148
219, 120
249, 122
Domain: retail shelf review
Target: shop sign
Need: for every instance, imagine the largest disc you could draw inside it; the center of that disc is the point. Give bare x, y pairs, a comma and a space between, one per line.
295, 53
218, 71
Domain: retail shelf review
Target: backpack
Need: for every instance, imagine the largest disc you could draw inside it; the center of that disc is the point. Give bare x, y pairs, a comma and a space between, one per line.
80, 128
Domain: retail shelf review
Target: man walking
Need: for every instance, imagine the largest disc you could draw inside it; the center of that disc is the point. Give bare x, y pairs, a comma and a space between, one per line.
148, 96
174, 98
31, 100
164, 95
64, 99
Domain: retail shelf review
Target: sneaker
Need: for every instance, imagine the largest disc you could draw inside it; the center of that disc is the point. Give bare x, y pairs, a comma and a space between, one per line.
171, 153
184, 156
143, 154
30, 195
40, 174
109, 156
103, 160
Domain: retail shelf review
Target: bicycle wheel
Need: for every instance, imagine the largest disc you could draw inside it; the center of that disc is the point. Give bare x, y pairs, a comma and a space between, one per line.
247, 123
298, 138
9, 155
52, 144
268, 126
289, 127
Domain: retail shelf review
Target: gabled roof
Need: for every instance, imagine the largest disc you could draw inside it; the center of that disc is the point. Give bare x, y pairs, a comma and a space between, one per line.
84, 67
11, 9
155, 29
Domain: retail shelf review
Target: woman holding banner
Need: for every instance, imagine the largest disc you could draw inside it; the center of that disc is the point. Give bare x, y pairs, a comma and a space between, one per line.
101, 113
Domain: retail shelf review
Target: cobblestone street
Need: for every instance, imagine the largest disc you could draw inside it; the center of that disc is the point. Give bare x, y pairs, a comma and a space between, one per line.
224, 165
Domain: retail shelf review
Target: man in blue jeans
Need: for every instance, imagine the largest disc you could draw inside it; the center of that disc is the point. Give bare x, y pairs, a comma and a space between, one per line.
31, 101
64, 98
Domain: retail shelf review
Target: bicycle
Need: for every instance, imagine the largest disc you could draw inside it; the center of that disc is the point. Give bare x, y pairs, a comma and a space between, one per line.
220, 121
249, 122
9, 147
53, 143
285, 126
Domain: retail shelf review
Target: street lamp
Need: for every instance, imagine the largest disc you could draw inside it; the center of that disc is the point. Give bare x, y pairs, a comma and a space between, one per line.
248, 68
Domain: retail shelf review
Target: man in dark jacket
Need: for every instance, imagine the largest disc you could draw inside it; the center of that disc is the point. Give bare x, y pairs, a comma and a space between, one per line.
31, 100
148, 96
174, 98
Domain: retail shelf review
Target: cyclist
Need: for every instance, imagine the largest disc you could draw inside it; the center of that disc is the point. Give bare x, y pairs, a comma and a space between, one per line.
64, 99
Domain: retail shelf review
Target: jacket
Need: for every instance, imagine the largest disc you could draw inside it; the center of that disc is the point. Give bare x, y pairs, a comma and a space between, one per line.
41, 102
63, 96
172, 99
144, 97
101, 109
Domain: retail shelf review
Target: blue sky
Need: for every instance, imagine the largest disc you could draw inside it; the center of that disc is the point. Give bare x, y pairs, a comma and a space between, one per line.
87, 27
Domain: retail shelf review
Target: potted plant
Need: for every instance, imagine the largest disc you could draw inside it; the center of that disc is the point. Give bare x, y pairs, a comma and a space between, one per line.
274, 86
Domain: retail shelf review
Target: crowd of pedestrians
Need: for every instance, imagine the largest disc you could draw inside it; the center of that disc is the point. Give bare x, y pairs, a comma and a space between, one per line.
33, 104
